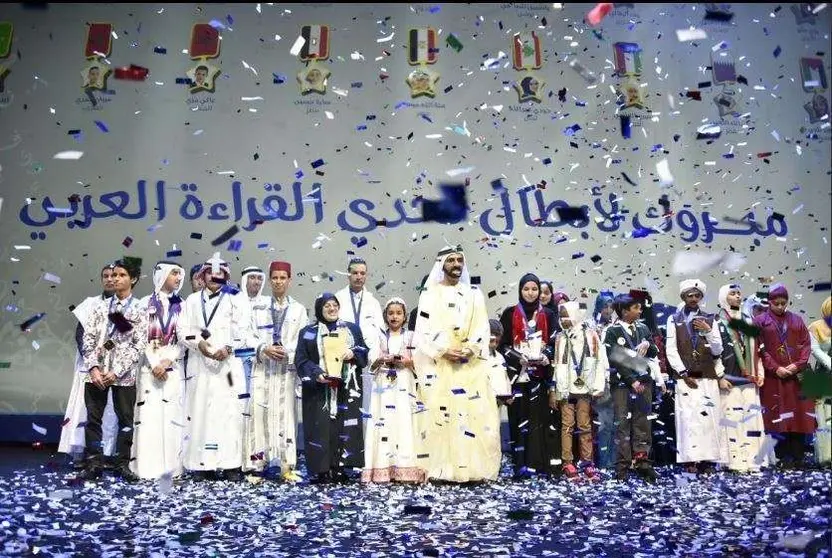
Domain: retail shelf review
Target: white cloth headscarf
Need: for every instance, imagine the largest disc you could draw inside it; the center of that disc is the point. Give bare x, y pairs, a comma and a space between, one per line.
161, 273
437, 274
256, 271
723, 299
577, 315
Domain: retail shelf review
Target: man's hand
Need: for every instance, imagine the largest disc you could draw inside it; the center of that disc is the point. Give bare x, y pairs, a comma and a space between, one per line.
782, 372
160, 371
759, 380
322, 379
725, 384
701, 325
347, 356
109, 378
553, 399
637, 387
642, 348
690, 382
205, 349
275, 352
454, 355
663, 387
96, 378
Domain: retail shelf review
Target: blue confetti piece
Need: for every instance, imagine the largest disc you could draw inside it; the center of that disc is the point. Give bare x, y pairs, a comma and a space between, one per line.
299, 174
160, 50
262, 245
318, 163
641, 232
777, 51
425, 116
435, 9
458, 391
626, 127
547, 161
235, 245
184, 81
359, 241
357, 84
728, 156
570, 131
580, 103
245, 352
173, 254
371, 117
229, 19
102, 126
401, 104
497, 185
216, 24
361, 127
278, 79
655, 148
577, 255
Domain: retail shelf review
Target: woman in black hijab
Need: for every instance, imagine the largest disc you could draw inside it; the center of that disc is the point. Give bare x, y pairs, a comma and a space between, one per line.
527, 345
333, 429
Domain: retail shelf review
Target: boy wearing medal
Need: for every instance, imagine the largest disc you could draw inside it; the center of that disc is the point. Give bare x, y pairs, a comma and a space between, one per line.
581, 371
632, 390
786, 347
115, 335
694, 350
160, 421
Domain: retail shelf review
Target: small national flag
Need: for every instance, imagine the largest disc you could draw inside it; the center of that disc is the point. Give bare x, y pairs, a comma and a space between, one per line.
526, 52
422, 46
316, 46
627, 59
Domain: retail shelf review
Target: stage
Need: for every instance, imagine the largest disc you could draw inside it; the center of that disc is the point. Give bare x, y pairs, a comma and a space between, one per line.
46, 513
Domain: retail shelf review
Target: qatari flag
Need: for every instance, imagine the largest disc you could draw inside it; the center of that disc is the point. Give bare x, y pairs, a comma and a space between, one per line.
316, 46
422, 46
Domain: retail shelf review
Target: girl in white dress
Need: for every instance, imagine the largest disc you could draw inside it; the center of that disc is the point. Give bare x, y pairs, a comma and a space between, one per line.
390, 438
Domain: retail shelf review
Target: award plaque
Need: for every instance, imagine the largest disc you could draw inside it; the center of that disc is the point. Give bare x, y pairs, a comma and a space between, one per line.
334, 345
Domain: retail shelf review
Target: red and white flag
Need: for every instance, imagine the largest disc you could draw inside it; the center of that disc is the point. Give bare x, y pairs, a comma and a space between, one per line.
526, 52
316, 46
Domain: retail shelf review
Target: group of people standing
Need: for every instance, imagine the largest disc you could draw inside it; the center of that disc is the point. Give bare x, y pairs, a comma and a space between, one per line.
209, 384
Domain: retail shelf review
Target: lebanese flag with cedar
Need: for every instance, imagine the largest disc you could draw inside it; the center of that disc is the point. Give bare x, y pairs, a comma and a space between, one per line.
526, 52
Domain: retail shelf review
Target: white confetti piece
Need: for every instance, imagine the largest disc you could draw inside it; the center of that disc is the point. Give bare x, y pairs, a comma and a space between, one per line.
35, 345
39, 429
685, 35
329, 115
386, 39
663, 170
356, 56
296, 48
457, 172
433, 136
68, 155
51, 278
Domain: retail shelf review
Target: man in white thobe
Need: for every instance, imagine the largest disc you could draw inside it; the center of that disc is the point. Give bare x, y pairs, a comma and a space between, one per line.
215, 323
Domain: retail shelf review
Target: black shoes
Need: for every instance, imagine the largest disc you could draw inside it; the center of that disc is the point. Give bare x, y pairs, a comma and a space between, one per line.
645, 470
233, 475
90, 473
126, 474
622, 475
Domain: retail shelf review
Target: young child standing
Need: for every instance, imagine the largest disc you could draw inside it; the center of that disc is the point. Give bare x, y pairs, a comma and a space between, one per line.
632, 389
497, 372
580, 376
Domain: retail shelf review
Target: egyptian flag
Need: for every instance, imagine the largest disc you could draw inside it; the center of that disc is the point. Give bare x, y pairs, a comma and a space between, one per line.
422, 46
316, 46
526, 52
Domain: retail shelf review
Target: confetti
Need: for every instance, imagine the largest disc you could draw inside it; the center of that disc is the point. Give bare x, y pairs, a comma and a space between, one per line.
68, 155
598, 13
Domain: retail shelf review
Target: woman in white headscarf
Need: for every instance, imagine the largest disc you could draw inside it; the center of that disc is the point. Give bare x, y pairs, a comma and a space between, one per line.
158, 430
390, 438
743, 422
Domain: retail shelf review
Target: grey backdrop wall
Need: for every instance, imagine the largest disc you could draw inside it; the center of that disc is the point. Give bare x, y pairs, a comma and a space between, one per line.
329, 175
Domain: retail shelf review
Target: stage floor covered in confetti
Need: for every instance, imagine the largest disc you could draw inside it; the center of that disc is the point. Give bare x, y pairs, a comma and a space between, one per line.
774, 513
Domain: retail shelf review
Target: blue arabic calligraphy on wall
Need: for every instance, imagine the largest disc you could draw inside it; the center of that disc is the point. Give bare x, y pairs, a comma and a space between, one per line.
359, 216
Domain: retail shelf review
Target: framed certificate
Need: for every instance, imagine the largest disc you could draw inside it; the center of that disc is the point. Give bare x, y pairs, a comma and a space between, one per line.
334, 345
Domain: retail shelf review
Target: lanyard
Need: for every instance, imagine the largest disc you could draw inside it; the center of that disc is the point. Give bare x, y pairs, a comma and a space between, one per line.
632, 342
125, 305
356, 312
579, 367
205, 317
530, 324
783, 335
693, 335
277, 326
165, 325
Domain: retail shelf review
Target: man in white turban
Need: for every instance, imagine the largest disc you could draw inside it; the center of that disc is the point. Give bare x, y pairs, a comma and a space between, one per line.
694, 348
460, 424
